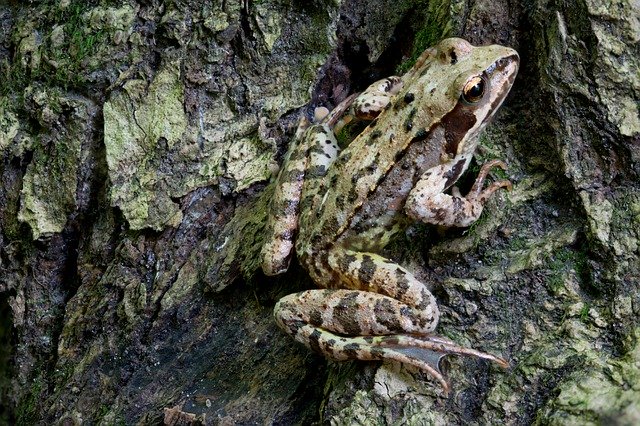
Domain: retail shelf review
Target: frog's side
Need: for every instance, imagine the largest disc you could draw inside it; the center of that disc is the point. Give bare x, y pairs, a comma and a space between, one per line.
345, 206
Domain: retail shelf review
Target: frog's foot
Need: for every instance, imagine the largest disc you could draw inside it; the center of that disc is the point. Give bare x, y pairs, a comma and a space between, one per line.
423, 352
480, 194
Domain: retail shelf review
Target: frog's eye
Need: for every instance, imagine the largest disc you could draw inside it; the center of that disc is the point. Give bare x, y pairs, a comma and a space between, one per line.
474, 90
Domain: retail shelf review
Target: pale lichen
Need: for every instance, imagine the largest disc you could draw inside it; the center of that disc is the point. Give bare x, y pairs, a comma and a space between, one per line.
9, 127
49, 188
141, 123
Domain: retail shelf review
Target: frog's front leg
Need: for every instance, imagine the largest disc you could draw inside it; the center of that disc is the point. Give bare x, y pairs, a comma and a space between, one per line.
385, 313
366, 105
428, 202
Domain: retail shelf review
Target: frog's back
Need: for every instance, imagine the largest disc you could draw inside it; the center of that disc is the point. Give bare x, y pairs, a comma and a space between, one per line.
361, 198
362, 207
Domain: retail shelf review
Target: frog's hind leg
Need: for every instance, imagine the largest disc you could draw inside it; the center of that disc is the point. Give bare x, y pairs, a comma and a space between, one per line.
306, 160
386, 313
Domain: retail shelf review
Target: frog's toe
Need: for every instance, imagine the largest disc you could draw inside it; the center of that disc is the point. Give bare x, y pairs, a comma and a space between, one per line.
421, 351
431, 349
476, 189
426, 352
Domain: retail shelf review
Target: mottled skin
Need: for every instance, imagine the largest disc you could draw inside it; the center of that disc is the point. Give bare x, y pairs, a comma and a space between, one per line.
341, 208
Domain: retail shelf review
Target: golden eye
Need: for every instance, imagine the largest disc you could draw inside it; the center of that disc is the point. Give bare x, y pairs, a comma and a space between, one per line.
474, 90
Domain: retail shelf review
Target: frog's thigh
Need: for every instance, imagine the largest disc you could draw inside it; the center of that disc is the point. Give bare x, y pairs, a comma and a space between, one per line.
353, 313
306, 161
377, 297
428, 203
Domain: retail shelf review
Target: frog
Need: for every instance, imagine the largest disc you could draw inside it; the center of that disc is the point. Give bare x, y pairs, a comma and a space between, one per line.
336, 207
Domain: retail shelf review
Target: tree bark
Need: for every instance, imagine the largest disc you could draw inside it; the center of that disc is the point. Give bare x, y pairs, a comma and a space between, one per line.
138, 139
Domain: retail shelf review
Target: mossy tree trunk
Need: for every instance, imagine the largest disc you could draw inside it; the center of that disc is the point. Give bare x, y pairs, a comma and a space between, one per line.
137, 140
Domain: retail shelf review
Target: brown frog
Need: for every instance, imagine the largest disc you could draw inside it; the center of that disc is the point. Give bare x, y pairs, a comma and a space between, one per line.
341, 207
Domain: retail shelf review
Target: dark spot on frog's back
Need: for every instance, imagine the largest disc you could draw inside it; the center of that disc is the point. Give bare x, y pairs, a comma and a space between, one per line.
353, 195
409, 97
420, 135
317, 171
408, 122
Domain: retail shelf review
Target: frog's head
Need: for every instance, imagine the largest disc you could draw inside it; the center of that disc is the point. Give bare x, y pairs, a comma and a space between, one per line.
462, 87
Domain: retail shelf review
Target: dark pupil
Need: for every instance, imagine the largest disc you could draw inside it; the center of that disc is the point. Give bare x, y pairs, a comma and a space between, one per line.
476, 90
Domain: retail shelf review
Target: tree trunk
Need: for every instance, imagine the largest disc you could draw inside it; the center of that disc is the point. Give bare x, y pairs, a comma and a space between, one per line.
138, 140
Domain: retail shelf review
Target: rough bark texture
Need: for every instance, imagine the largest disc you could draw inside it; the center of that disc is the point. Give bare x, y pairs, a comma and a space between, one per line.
137, 139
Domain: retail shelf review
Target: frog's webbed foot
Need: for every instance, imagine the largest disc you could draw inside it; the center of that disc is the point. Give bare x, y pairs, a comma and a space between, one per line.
423, 352
426, 352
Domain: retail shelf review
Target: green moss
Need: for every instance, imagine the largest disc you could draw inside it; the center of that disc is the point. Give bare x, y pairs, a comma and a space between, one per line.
69, 48
555, 283
77, 45
49, 186
103, 411
563, 261
435, 29
350, 131
27, 409
584, 313
13, 79
63, 373
133, 149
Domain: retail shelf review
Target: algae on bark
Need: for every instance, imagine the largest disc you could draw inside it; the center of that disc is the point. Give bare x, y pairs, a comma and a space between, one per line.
116, 324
